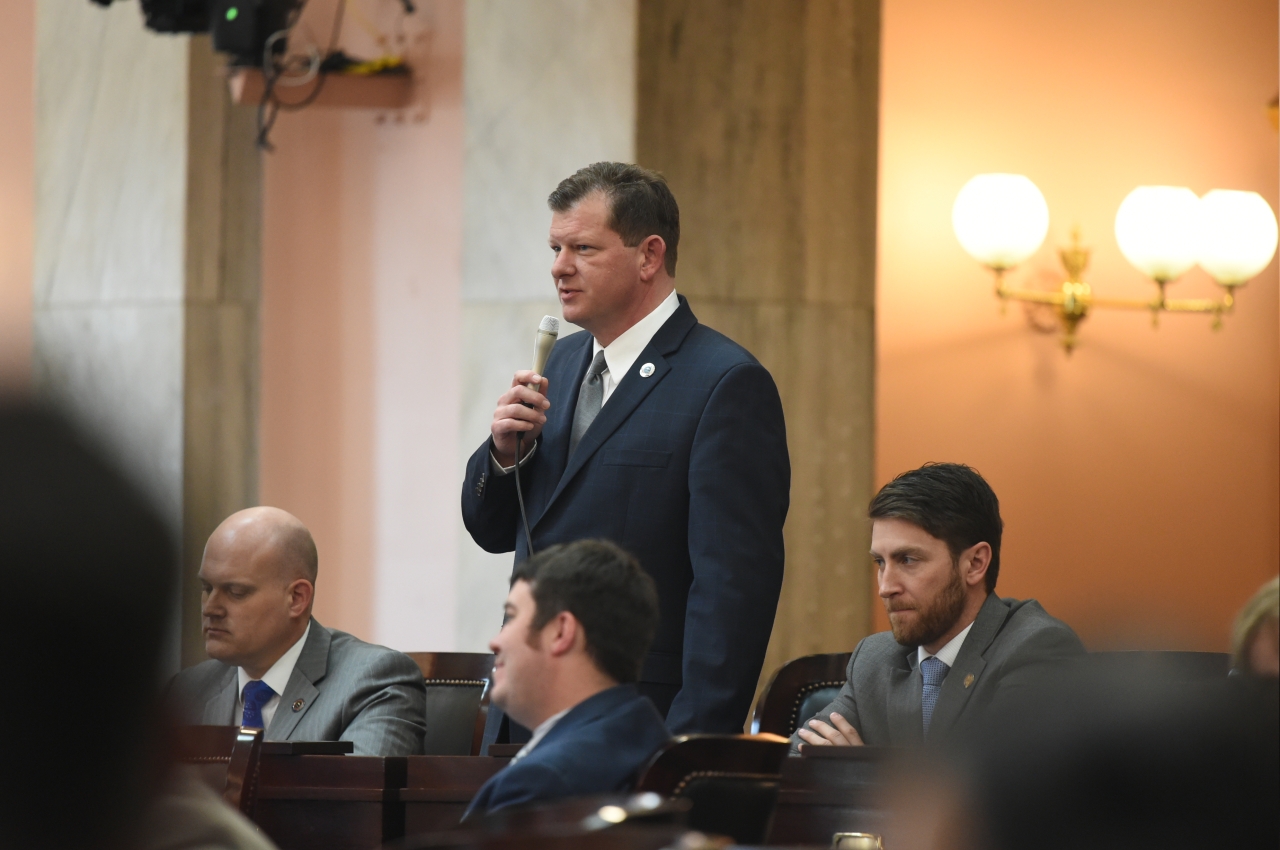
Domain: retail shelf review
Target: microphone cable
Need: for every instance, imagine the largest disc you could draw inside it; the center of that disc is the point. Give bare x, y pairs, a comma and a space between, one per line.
524, 517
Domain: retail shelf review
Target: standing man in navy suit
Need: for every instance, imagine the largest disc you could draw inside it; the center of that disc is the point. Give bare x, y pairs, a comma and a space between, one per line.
579, 620
652, 431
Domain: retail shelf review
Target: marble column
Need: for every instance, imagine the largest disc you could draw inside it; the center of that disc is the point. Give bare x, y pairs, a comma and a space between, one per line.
548, 88
221, 320
145, 284
763, 116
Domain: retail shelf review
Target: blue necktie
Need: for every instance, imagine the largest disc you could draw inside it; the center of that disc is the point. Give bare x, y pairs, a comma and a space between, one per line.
256, 695
933, 670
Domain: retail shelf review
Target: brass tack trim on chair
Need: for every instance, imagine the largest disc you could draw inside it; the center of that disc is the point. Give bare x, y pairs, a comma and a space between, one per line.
719, 774
800, 697
208, 760
475, 683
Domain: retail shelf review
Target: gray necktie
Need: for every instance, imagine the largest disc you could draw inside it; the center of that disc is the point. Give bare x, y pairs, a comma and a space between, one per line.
933, 670
590, 400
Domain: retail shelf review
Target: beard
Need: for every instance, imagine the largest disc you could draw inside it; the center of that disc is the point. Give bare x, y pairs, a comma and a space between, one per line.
932, 621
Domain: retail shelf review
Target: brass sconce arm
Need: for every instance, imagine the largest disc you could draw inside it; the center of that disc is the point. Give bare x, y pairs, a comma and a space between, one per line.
1001, 220
1073, 301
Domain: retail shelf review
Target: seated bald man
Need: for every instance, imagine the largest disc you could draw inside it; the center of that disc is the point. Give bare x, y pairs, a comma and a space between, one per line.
274, 667
580, 618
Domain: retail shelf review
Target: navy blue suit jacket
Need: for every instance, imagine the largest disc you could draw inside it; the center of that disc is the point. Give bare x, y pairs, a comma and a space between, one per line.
687, 469
598, 747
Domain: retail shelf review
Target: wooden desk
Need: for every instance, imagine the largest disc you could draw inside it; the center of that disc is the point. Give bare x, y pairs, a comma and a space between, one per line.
437, 789
828, 790
328, 802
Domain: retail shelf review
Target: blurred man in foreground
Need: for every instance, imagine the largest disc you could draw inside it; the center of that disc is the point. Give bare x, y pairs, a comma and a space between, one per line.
956, 648
1095, 759
580, 617
274, 667
88, 572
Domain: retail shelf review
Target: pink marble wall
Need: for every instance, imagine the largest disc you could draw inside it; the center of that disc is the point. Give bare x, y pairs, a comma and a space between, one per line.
361, 317
17, 188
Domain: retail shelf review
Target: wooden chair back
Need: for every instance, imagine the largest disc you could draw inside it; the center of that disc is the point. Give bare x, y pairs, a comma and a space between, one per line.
731, 781
458, 685
228, 758
798, 690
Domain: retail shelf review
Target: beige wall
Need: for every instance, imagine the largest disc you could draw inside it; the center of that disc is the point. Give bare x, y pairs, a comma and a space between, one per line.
17, 188
1138, 479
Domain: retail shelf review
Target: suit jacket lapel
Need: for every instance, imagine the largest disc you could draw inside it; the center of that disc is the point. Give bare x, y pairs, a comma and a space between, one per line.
312, 665
631, 390
954, 694
220, 710
906, 717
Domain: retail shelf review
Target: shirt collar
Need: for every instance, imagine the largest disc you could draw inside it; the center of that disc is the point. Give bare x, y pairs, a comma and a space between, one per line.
947, 655
280, 673
623, 351
541, 732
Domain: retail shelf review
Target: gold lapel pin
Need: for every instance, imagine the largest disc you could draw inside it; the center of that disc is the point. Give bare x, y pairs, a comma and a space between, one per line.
968, 680
298, 704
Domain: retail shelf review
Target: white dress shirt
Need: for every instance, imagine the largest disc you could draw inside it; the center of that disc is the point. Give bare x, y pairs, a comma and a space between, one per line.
619, 356
947, 655
538, 734
277, 678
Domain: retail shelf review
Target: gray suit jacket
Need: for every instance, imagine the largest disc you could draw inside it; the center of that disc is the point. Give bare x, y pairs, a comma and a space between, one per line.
342, 689
1011, 645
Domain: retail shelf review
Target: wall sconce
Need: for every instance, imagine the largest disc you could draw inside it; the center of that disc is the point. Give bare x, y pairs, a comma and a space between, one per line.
1002, 219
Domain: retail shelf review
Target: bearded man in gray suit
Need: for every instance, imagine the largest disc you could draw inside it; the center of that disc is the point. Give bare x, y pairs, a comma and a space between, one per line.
957, 653
273, 666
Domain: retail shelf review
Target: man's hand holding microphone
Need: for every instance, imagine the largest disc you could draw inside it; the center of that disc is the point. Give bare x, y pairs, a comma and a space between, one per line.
522, 409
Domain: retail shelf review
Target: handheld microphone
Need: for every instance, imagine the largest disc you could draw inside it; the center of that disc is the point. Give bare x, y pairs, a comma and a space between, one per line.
543, 342
548, 332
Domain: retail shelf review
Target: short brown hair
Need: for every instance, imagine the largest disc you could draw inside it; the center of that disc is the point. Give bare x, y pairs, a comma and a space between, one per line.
606, 590
640, 203
950, 501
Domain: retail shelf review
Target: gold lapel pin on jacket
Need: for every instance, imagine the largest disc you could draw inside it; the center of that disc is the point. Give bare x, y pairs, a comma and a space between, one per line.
968, 680
298, 704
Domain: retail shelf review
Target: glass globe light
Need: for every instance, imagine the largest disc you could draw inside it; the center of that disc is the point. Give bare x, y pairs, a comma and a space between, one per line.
1156, 228
1000, 219
1237, 235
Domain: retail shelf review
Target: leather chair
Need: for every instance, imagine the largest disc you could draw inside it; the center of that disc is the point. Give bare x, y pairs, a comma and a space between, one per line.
458, 685
227, 759
798, 690
731, 781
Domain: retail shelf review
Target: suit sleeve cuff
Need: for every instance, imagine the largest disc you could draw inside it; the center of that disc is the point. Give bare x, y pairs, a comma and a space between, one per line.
499, 469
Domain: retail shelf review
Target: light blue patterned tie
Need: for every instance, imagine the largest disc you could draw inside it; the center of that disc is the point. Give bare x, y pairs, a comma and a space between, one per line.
256, 695
933, 670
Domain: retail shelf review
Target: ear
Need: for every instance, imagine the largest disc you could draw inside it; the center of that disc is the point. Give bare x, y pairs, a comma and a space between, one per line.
974, 562
561, 634
653, 257
301, 592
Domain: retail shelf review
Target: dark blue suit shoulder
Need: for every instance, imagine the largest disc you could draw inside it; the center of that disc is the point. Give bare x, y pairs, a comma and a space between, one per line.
710, 342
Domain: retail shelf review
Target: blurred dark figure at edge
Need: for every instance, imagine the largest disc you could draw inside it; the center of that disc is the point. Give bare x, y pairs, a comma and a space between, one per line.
86, 571
1107, 763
